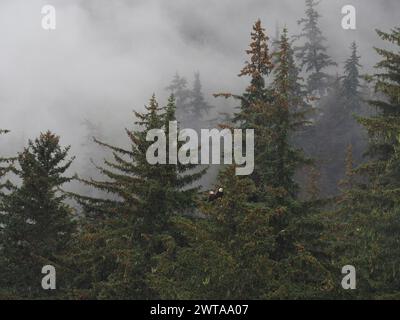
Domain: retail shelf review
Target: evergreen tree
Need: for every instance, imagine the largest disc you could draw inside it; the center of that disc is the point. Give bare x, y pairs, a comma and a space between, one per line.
372, 205
337, 126
271, 244
226, 255
179, 88
257, 68
191, 106
285, 116
351, 82
36, 222
5, 166
200, 107
302, 262
138, 220
255, 101
312, 54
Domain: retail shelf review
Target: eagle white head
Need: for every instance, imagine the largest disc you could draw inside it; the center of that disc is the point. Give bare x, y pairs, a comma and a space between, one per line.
220, 190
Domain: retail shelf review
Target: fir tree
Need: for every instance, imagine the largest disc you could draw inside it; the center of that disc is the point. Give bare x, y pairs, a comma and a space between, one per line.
337, 126
179, 88
36, 222
272, 244
138, 220
5, 167
257, 68
296, 225
200, 107
226, 254
255, 101
351, 82
372, 204
191, 106
312, 54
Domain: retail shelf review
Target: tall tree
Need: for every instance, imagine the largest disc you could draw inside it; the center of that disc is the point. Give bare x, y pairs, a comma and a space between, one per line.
137, 217
36, 222
257, 68
373, 203
199, 105
351, 81
265, 241
255, 101
191, 106
179, 88
297, 226
312, 54
226, 255
337, 127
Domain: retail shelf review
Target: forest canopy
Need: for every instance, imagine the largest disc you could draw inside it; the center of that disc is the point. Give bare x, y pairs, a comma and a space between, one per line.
324, 192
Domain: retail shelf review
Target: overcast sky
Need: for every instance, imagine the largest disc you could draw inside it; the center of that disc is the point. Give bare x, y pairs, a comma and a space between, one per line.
106, 58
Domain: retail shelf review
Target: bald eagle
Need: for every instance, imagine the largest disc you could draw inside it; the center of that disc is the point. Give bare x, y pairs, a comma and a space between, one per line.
215, 195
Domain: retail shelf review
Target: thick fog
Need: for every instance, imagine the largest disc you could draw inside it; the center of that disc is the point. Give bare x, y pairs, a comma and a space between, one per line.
106, 58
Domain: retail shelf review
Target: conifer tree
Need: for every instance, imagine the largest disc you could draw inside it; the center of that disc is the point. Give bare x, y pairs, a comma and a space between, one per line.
351, 82
296, 225
137, 217
271, 243
255, 101
312, 54
226, 254
179, 88
284, 116
257, 68
5, 166
337, 127
200, 107
191, 106
36, 222
235, 237
372, 204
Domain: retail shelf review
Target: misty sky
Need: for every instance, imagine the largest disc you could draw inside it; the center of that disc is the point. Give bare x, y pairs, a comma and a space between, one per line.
106, 57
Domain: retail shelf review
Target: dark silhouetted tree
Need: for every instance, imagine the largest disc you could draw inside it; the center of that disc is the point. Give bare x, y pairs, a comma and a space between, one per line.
312, 54
36, 222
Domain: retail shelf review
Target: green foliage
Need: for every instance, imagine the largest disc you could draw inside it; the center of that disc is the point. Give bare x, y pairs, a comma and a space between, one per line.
269, 244
5, 167
312, 53
36, 222
226, 254
144, 198
337, 126
149, 233
370, 205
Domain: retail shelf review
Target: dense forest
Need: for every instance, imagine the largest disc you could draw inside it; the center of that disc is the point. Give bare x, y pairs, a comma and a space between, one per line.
324, 193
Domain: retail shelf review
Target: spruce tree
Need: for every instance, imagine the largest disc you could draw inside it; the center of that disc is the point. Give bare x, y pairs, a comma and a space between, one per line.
200, 108
372, 205
132, 226
302, 263
312, 54
235, 237
36, 222
257, 98
271, 243
337, 127
351, 82
226, 254
191, 106
5, 167
258, 67
179, 88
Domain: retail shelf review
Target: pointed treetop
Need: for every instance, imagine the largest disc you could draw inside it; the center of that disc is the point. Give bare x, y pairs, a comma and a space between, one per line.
260, 63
